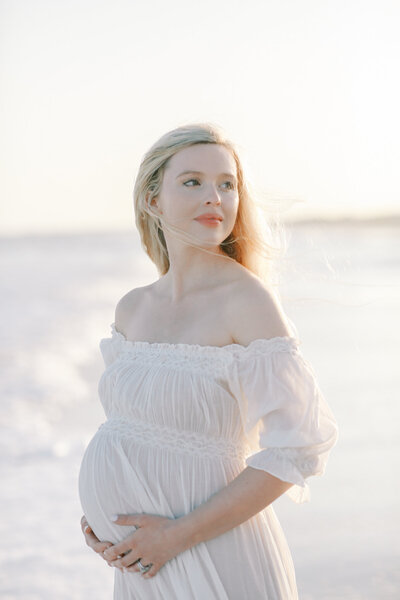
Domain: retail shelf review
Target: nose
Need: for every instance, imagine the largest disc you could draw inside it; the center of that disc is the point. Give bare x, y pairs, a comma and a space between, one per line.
213, 197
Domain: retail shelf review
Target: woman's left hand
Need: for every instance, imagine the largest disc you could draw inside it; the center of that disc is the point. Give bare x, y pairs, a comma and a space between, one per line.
155, 541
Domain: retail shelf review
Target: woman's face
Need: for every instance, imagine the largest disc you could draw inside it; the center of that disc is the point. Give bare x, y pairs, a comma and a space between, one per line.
198, 180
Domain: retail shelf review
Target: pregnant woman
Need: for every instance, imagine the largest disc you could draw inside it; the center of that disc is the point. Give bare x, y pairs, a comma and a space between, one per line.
212, 410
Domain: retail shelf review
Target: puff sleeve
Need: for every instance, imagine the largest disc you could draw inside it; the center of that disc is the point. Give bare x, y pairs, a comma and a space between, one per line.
288, 423
110, 347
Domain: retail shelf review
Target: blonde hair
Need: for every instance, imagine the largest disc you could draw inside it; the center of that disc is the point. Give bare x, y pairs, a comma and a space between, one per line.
247, 241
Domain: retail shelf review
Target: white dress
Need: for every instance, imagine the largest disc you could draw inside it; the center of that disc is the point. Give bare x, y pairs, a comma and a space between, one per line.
183, 420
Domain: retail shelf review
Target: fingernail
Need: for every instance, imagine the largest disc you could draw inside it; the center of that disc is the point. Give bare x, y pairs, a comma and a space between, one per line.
87, 529
114, 517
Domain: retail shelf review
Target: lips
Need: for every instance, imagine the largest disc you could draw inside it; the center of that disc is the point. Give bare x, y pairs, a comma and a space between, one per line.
209, 217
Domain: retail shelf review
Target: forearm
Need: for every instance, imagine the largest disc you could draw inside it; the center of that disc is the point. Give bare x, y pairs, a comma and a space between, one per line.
250, 492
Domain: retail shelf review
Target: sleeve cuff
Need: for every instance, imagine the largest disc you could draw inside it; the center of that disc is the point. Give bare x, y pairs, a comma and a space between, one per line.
287, 464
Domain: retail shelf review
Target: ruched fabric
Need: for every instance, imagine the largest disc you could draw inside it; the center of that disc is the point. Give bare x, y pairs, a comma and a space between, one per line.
183, 420
287, 419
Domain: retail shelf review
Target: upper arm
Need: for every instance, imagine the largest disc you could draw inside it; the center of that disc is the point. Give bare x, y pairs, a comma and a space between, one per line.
125, 309
256, 312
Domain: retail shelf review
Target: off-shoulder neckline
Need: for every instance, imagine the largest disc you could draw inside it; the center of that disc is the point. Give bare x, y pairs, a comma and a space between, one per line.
289, 340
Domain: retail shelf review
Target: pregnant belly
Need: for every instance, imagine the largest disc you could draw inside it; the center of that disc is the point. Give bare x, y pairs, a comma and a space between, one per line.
126, 474
111, 482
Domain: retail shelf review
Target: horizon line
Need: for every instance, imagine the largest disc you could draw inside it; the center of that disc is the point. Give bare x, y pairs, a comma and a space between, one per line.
386, 219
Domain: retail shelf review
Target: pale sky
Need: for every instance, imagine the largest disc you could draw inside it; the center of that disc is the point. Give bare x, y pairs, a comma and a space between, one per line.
308, 89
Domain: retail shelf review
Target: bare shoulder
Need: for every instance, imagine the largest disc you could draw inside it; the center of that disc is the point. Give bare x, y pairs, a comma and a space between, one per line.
127, 305
255, 310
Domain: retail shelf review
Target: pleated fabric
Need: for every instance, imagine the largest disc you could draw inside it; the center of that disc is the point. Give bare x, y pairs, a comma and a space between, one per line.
183, 420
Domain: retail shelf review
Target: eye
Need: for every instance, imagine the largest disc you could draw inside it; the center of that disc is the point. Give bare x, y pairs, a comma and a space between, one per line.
232, 187
231, 184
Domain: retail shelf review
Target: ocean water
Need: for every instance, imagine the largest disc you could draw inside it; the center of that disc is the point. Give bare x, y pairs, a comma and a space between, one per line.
340, 286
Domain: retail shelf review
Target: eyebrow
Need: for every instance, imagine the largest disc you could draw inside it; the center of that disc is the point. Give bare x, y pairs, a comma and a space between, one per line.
200, 173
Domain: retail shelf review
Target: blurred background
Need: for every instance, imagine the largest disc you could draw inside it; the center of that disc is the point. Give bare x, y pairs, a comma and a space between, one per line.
309, 92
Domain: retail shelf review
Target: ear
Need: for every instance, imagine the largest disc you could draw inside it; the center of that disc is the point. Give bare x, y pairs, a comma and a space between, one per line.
153, 204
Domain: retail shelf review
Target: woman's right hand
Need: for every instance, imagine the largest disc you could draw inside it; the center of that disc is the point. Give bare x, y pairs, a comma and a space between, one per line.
93, 542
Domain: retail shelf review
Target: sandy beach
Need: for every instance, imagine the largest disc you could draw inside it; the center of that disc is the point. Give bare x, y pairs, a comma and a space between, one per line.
340, 286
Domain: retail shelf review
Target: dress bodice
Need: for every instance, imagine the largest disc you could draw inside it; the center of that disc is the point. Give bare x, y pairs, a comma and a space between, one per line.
262, 398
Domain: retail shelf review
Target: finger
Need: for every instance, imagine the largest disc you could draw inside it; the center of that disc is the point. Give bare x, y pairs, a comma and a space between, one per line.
125, 561
91, 539
113, 564
93, 542
119, 549
151, 572
136, 520
89, 534
132, 568
136, 569
85, 525
100, 547
115, 561
128, 560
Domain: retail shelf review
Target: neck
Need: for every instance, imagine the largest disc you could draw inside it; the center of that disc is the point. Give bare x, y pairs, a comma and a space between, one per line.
192, 270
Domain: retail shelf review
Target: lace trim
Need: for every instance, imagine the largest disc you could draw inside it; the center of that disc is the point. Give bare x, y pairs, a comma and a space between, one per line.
281, 341
178, 361
192, 357
289, 458
188, 442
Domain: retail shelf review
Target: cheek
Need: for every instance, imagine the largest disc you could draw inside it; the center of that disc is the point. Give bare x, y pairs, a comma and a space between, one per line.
179, 210
233, 211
